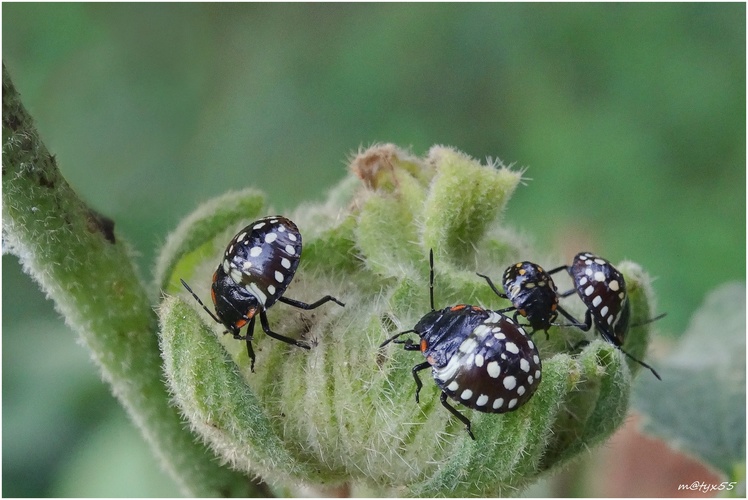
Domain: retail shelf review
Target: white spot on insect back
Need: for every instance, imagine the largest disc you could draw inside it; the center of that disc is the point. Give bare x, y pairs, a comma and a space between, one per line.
536, 359
468, 345
530, 379
599, 276
270, 237
241, 237
512, 403
498, 403
600, 261
597, 301
583, 281
493, 369
588, 291
286, 263
236, 275
524, 365
613, 285
255, 251
479, 359
537, 374
226, 266
604, 311
258, 294
271, 289
480, 331
290, 250
530, 344
511, 347
520, 390
449, 371
510, 382
281, 229
291, 236
482, 400
259, 226
466, 394
246, 265
279, 276
453, 386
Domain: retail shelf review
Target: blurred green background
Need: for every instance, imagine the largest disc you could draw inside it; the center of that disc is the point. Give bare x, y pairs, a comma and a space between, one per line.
629, 117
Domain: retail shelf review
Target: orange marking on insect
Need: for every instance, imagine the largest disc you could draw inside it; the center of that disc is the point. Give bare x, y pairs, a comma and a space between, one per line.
458, 307
424, 346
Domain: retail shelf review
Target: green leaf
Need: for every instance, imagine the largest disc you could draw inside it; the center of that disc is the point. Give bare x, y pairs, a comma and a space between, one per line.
465, 199
193, 240
699, 407
214, 397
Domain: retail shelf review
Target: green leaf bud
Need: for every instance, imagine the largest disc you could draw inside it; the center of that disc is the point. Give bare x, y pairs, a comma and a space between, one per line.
344, 412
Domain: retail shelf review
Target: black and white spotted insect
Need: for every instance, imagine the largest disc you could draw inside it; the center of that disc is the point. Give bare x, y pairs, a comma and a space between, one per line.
257, 267
602, 288
533, 295
480, 358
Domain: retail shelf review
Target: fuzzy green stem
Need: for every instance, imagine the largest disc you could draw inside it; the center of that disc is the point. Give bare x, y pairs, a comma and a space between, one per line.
87, 270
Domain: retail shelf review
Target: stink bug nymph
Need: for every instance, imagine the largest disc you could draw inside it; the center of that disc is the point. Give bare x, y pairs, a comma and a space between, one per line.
533, 295
257, 267
480, 358
602, 289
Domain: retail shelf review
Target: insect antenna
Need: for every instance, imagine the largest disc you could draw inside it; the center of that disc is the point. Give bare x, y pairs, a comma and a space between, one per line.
431, 278
645, 365
200, 301
648, 321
